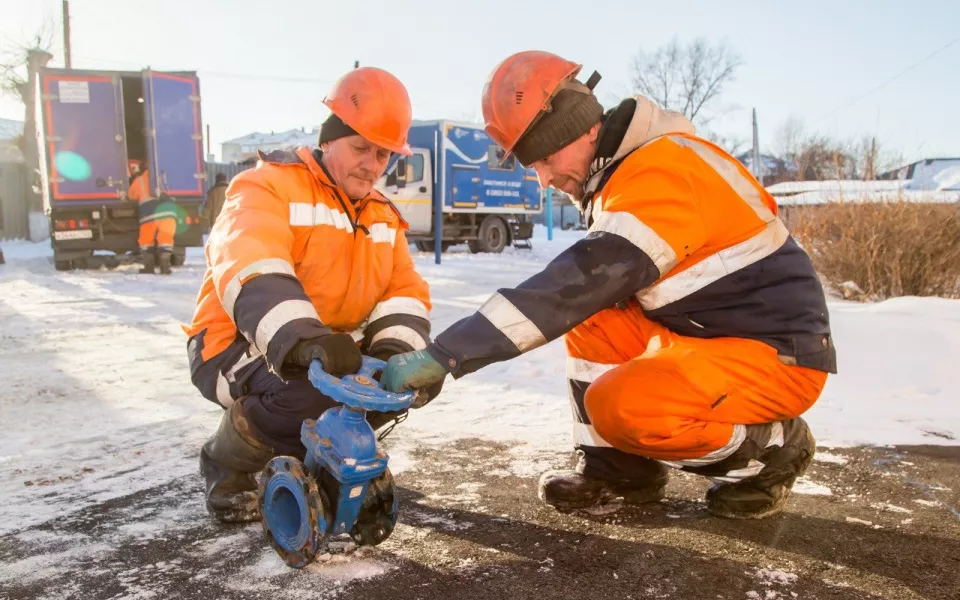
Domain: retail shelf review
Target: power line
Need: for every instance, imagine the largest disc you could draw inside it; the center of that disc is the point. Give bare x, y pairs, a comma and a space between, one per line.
221, 74
889, 81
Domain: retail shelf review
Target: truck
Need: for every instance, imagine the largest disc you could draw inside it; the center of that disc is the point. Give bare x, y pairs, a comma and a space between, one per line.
484, 200
92, 123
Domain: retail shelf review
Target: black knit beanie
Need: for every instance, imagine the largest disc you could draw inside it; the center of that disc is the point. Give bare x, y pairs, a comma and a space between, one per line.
573, 113
334, 128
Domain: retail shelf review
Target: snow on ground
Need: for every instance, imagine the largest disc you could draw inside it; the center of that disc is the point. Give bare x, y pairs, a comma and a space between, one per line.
96, 386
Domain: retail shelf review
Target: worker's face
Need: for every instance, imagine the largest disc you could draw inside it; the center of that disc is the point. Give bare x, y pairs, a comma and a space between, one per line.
567, 169
355, 164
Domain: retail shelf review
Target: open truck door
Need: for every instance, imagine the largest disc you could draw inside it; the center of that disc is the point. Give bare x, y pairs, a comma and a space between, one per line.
84, 165
84, 139
174, 144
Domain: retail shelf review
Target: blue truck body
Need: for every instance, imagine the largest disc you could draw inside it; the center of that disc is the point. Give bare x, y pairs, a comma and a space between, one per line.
92, 122
457, 166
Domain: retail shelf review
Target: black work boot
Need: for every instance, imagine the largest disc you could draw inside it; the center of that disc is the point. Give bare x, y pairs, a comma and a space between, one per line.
766, 493
582, 488
164, 263
149, 263
229, 462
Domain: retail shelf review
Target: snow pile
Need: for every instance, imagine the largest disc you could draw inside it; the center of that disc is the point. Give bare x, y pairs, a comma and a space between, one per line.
940, 187
810, 488
827, 457
897, 380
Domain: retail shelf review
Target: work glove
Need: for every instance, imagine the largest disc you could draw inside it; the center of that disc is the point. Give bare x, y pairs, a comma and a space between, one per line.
414, 371
337, 352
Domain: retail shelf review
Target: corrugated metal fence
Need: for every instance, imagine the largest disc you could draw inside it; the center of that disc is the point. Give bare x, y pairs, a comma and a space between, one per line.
14, 213
229, 169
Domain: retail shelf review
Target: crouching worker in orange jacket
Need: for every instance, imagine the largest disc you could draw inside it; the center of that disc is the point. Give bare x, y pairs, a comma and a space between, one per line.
696, 328
306, 261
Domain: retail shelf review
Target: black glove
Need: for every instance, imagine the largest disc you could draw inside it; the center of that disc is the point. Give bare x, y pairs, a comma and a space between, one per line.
337, 351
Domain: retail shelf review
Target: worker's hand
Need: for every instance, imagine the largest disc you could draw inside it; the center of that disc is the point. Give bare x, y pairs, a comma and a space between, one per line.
337, 352
414, 371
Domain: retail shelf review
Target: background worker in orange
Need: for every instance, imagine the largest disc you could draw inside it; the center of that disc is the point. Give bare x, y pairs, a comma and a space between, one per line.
157, 227
696, 328
305, 261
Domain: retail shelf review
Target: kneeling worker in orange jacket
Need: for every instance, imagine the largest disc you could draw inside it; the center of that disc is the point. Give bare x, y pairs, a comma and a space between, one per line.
306, 261
696, 327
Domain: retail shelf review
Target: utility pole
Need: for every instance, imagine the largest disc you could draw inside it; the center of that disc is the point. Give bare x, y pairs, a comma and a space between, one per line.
66, 34
757, 166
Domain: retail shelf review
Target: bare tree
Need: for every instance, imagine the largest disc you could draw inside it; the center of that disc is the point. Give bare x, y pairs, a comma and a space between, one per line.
733, 144
686, 78
15, 58
872, 158
19, 65
817, 157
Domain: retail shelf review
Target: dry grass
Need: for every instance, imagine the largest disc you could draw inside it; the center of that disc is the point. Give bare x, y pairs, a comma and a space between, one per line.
886, 249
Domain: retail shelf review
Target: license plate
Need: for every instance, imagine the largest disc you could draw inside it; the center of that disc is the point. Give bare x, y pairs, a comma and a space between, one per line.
79, 234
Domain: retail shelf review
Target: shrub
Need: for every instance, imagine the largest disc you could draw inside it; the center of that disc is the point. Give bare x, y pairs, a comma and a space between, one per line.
886, 248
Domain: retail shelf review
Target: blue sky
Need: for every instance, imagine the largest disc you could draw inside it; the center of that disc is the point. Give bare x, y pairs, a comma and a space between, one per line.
268, 69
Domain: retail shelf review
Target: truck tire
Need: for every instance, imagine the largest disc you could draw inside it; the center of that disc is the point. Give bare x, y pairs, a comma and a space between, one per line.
178, 257
493, 235
429, 246
63, 265
474, 246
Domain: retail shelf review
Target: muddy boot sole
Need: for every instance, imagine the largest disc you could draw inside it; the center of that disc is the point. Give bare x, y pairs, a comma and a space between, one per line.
570, 491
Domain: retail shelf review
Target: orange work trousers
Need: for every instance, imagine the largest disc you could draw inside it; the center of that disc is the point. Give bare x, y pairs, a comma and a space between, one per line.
669, 397
159, 232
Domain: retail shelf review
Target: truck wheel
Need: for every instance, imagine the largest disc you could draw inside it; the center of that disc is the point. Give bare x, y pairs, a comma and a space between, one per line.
63, 265
474, 246
177, 258
429, 246
493, 235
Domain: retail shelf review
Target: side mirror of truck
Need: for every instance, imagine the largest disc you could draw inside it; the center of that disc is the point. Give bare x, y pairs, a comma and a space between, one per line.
401, 172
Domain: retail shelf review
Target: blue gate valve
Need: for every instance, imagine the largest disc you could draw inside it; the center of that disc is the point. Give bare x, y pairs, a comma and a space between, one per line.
344, 485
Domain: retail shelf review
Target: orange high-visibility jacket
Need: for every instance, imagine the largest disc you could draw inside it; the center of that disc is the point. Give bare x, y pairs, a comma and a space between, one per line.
681, 234
291, 258
140, 187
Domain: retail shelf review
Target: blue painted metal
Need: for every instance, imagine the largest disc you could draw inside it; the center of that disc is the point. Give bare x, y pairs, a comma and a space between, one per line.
549, 214
360, 391
174, 147
84, 116
340, 444
295, 511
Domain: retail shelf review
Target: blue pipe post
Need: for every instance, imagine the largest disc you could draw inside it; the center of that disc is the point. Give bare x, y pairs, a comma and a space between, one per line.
549, 216
437, 227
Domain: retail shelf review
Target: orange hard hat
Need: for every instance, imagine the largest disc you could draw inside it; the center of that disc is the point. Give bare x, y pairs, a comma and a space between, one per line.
374, 104
519, 90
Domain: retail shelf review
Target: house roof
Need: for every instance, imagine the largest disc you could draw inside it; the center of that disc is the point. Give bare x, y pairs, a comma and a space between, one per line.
794, 193
10, 129
293, 137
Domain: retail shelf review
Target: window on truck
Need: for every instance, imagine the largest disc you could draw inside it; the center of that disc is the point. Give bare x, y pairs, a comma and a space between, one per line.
495, 154
414, 168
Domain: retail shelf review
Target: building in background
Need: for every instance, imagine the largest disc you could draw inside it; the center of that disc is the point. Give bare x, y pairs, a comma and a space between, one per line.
929, 174
773, 169
10, 132
246, 147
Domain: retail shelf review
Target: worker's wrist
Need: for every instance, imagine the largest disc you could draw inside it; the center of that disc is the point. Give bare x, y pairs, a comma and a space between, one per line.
446, 360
